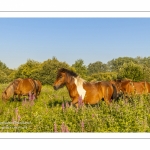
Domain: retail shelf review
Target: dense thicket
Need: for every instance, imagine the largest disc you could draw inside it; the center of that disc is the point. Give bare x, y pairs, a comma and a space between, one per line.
137, 69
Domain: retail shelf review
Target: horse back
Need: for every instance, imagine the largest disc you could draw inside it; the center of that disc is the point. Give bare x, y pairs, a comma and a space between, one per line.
109, 90
26, 86
16, 83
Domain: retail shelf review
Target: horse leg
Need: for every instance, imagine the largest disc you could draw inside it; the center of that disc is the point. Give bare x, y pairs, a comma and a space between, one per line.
14, 97
19, 97
107, 100
75, 102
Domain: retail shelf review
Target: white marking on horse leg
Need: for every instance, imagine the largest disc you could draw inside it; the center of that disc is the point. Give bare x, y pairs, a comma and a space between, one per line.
80, 89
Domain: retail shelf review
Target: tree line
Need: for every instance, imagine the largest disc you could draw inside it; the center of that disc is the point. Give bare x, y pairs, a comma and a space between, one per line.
136, 69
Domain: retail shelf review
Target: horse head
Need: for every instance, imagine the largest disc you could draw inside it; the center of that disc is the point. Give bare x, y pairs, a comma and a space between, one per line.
60, 79
4, 96
63, 76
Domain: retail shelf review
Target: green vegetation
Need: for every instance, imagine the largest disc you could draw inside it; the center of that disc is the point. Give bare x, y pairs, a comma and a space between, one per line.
51, 113
136, 69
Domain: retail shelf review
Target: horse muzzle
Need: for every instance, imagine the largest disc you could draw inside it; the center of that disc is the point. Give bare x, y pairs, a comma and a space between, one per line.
55, 87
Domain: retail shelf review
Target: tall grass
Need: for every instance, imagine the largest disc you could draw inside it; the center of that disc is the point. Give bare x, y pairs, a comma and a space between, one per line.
51, 112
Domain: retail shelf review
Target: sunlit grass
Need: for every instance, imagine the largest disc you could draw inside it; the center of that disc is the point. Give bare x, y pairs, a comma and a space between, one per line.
51, 112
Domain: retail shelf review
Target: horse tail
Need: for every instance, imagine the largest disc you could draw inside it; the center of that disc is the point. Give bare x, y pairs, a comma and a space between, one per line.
35, 88
114, 95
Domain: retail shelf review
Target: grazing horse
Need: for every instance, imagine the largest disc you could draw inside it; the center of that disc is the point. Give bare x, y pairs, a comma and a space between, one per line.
38, 86
129, 87
89, 92
26, 87
20, 87
10, 90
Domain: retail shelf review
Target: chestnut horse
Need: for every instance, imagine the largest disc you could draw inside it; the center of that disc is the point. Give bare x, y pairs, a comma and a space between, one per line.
78, 88
20, 87
130, 87
26, 87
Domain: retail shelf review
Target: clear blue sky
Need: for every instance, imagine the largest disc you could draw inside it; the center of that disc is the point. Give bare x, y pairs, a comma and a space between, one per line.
70, 39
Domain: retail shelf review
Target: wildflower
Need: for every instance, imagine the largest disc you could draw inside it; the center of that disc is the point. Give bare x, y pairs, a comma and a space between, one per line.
93, 116
67, 105
63, 107
19, 117
80, 104
55, 127
82, 126
63, 127
16, 112
33, 97
24, 102
30, 96
67, 129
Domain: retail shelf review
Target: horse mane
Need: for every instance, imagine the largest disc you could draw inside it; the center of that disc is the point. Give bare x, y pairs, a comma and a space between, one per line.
80, 80
70, 72
8, 86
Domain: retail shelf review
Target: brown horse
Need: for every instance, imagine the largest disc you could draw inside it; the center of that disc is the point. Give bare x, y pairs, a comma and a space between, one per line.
129, 87
38, 86
89, 92
26, 87
10, 90
20, 87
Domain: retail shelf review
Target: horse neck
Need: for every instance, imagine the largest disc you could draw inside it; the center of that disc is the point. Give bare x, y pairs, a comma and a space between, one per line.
69, 83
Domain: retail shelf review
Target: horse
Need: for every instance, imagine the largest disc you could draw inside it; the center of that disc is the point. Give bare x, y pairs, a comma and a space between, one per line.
26, 87
20, 87
88, 92
38, 86
129, 87
10, 90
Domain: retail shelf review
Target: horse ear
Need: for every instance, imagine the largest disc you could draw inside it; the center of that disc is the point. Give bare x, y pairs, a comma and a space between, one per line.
62, 69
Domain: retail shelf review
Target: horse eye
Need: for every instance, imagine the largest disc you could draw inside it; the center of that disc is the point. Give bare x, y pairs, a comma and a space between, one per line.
60, 77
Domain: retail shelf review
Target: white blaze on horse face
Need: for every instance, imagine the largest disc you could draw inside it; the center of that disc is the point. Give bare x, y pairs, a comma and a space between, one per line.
79, 83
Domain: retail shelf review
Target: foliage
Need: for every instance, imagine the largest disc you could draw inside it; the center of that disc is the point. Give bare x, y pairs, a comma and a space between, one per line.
137, 69
131, 71
80, 68
4, 73
107, 76
116, 64
49, 69
96, 67
3, 77
25, 70
51, 112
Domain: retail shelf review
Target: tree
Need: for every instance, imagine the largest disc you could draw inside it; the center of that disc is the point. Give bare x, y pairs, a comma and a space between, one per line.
49, 69
3, 77
116, 64
102, 76
4, 73
131, 71
80, 68
96, 67
26, 70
